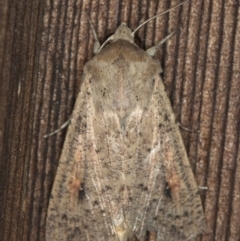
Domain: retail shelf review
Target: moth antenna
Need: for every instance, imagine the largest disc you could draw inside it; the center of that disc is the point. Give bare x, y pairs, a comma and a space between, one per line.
151, 51
109, 39
58, 130
93, 29
96, 40
96, 37
202, 187
187, 129
133, 33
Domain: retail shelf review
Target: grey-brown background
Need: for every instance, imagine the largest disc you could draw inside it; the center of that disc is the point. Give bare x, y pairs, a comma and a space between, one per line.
43, 47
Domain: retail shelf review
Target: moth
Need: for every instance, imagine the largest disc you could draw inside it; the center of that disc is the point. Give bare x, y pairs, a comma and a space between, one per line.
124, 168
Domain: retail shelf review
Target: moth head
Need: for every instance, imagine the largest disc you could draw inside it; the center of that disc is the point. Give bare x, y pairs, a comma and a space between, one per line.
123, 32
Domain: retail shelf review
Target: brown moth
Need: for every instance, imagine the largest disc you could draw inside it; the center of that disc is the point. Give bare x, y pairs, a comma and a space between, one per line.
124, 168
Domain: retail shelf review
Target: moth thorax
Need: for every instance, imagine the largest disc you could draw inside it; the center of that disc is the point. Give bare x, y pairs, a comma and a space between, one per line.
123, 32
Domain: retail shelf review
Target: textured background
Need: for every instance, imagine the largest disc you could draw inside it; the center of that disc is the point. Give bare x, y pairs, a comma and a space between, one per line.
43, 47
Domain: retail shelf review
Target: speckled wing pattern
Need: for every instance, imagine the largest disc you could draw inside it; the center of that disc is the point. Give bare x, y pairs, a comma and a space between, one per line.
124, 168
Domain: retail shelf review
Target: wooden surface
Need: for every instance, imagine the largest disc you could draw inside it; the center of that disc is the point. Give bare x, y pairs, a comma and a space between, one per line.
43, 47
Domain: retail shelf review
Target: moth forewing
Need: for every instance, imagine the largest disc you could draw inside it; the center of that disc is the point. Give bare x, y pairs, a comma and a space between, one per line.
123, 169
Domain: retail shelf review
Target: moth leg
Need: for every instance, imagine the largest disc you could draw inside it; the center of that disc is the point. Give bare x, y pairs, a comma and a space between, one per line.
97, 45
202, 187
151, 51
187, 129
58, 130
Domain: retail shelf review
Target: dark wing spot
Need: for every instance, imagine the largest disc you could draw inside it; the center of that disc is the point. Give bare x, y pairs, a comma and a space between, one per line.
122, 188
153, 82
81, 192
165, 117
167, 191
177, 217
87, 211
107, 188
145, 189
